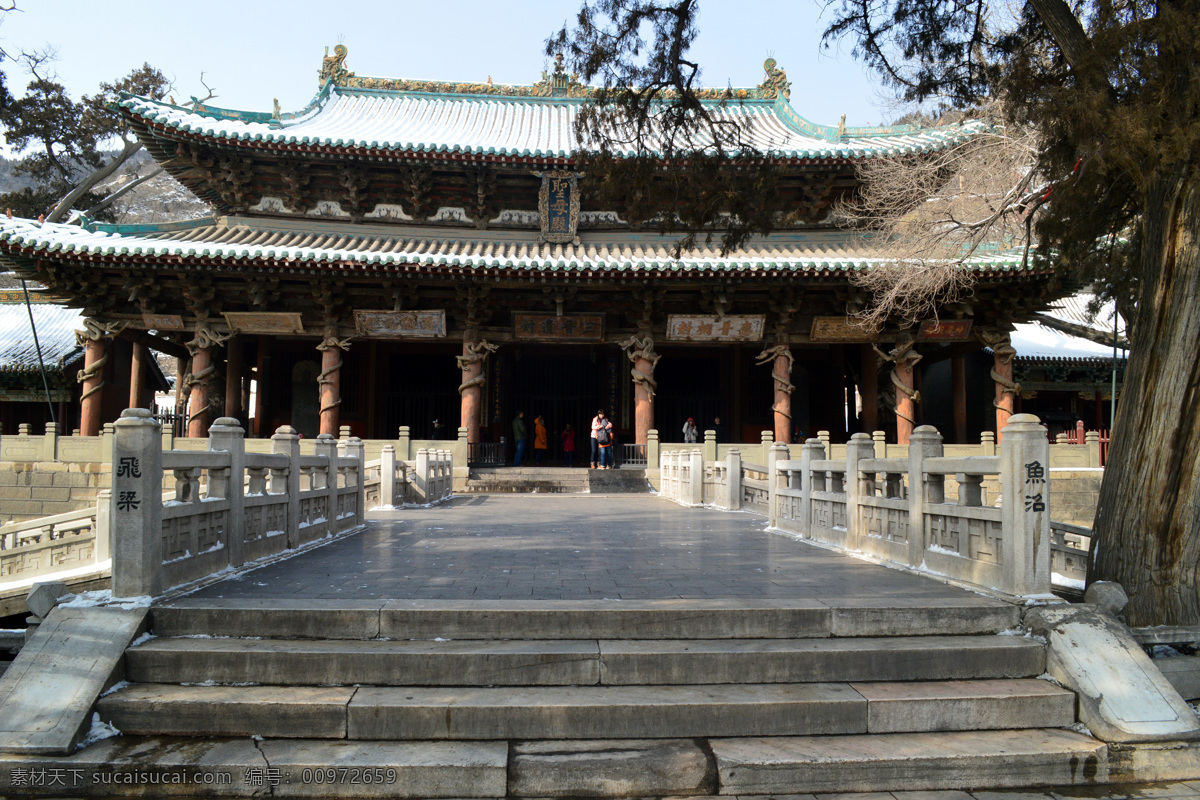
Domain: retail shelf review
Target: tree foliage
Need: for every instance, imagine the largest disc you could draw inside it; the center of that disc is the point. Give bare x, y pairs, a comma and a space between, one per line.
646, 113
68, 144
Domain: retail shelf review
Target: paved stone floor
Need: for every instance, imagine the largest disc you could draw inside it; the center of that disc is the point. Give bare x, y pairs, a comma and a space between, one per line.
549, 547
1189, 790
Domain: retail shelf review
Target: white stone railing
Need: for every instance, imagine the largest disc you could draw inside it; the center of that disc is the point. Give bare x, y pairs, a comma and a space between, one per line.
897, 509
427, 479
50, 545
228, 506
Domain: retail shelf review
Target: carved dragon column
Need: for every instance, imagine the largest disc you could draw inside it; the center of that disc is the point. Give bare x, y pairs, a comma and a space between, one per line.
198, 379
781, 360
329, 382
471, 362
92, 339
1002, 373
640, 349
904, 358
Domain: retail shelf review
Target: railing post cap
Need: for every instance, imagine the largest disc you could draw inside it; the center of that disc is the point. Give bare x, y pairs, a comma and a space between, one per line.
862, 437
326, 437
1024, 418
387, 448
1024, 423
286, 430
733, 451
134, 417
225, 422
780, 446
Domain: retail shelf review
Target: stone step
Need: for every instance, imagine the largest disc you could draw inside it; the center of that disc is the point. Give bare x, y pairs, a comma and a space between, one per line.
583, 712
134, 766
581, 662
908, 762
580, 619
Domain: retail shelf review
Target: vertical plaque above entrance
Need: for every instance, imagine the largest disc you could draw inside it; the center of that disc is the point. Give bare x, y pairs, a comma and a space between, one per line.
558, 206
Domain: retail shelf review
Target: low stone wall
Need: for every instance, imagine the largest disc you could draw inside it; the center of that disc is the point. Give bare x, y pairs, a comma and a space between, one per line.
29, 490
1074, 494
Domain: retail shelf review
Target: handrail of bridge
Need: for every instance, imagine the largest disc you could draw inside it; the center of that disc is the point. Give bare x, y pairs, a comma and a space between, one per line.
898, 509
229, 507
427, 479
41, 547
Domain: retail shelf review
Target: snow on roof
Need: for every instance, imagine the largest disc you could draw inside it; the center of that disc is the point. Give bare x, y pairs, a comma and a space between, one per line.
56, 328
1074, 309
1036, 341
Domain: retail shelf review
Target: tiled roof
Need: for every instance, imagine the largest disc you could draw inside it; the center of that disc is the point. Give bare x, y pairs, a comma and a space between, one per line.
424, 122
441, 250
1037, 342
56, 328
1074, 310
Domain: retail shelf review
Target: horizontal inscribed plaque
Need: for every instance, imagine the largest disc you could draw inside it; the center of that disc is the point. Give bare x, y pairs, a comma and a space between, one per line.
553, 328
947, 330
702, 328
264, 322
839, 329
162, 322
400, 324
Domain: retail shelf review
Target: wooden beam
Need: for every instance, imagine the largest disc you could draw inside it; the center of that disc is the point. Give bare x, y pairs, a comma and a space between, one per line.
154, 342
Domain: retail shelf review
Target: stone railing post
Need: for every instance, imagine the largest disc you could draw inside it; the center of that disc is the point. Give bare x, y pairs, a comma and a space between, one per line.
106, 440
767, 440
403, 439
1092, 440
286, 441
733, 481
422, 476
1025, 513
461, 451
880, 440
778, 452
135, 511
710, 445
387, 476
226, 434
812, 451
168, 438
327, 479
50, 442
924, 443
652, 450
358, 451
343, 432
860, 446
987, 442
103, 550
696, 478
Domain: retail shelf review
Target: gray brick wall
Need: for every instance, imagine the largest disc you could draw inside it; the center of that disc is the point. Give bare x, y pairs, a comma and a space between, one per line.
31, 490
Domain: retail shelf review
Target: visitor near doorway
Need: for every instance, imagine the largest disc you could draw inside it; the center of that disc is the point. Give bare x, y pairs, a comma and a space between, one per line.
689, 431
540, 442
718, 429
520, 436
601, 450
568, 445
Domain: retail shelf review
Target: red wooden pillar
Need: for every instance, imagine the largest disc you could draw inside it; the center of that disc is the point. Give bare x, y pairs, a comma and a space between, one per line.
958, 387
905, 359
138, 388
1002, 374
330, 382
640, 349
92, 378
234, 368
471, 362
868, 388
198, 400
781, 374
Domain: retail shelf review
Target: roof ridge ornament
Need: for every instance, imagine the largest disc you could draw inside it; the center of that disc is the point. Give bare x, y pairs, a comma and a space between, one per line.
333, 67
775, 84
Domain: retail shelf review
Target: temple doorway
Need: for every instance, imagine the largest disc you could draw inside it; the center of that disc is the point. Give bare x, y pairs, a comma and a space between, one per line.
564, 387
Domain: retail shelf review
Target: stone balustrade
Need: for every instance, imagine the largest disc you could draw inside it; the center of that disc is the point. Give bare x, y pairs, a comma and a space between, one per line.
897, 508
223, 506
427, 479
54, 544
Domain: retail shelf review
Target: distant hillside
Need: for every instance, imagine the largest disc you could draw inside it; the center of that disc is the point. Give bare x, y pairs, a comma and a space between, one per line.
160, 199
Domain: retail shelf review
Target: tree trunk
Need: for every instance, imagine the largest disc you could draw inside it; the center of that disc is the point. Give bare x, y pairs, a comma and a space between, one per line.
1148, 518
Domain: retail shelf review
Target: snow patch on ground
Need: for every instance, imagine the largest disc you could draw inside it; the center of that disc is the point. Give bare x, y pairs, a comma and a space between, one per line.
98, 732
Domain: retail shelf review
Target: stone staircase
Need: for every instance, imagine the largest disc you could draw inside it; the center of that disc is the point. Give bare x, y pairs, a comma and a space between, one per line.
601, 699
555, 480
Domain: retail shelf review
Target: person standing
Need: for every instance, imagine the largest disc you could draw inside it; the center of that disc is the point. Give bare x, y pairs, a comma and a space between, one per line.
689, 431
540, 441
520, 436
719, 430
568, 445
600, 450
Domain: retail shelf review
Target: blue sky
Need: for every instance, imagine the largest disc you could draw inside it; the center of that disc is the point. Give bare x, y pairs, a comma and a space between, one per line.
251, 52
